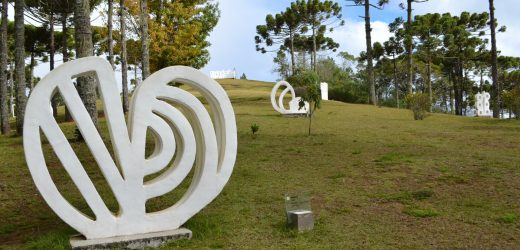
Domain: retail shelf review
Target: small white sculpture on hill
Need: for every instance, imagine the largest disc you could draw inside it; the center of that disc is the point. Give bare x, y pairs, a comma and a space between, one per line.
223, 74
294, 103
324, 87
186, 136
482, 104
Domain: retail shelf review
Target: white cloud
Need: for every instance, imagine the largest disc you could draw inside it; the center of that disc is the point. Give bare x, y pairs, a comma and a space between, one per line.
233, 40
351, 37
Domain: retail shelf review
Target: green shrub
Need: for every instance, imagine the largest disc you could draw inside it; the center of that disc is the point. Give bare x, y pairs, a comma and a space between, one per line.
419, 103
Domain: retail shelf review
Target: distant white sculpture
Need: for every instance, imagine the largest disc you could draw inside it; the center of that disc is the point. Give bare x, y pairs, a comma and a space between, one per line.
482, 104
294, 103
185, 132
223, 74
324, 87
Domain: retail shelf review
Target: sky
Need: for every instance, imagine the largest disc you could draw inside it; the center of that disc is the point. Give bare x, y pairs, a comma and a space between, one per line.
233, 45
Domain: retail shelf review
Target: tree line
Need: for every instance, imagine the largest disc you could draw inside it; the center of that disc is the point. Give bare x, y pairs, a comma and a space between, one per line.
444, 56
146, 36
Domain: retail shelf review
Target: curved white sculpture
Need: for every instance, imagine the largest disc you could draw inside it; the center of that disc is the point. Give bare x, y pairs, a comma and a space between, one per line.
294, 106
185, 131
482, 104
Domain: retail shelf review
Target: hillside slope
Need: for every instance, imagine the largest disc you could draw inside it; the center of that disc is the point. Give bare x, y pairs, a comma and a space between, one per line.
378, 179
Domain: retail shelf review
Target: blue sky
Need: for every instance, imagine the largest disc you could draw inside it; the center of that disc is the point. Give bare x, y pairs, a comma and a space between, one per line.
233, 39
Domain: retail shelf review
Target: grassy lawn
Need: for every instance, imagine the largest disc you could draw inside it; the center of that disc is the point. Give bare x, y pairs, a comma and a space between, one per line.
378, 179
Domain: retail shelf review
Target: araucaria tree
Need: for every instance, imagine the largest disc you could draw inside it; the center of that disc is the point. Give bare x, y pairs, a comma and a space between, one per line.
300, 29
281, 29
145, 38
84, 48
496, 93
319, 16
370, 71
4, 107
21, 98
124, 63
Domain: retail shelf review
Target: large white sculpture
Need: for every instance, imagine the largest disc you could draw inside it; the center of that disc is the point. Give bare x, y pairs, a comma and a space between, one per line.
482, 104
324, 87
185, 132
294, 106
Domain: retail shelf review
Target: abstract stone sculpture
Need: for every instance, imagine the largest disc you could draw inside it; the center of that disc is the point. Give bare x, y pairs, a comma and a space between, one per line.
184, 132
482, 104
294, 103
324, 87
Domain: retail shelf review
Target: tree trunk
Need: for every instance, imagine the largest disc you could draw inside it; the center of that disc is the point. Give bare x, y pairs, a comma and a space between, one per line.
159, 14
314, 49
494, 70
395, 81
110, 39
429, 82
124, 66
409, 47
83, 41
370, 66
293, 66
310, 119
31, 71
54, 102
21, 98
4, 104
144, 40
64, 42
65, 52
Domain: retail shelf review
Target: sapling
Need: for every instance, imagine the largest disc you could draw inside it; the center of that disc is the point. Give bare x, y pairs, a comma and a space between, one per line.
254, 129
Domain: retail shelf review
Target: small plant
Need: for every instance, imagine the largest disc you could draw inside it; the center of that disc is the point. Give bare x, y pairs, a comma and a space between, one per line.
508, 218
309, 80
419, 103
254, 129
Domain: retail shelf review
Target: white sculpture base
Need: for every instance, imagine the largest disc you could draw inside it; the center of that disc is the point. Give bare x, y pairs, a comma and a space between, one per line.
139, 241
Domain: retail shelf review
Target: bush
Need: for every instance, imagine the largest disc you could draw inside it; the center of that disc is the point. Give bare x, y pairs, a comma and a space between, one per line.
419, 103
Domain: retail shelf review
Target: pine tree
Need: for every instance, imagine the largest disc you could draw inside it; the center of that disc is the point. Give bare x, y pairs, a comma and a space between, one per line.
84, 47
21, 98
4, 106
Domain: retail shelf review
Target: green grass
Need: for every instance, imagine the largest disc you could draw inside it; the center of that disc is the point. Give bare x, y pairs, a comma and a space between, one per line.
378, 179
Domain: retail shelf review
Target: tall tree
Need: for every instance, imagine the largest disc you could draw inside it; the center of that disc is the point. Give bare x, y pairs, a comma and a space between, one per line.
84, 48
124, 65
368, 38
428, 29
319, 15
462, 44
281, 29
110, 35
21, 98
394, 48
181, 37
4, 106
145, 39
409, 41
496, 93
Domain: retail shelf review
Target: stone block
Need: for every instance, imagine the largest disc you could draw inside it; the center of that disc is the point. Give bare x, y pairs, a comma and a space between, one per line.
301, 220
137, 241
